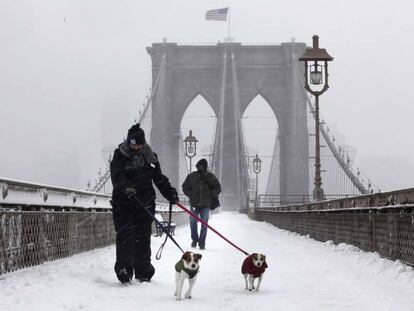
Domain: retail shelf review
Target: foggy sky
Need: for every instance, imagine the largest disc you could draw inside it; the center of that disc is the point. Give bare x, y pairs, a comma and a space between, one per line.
73, 73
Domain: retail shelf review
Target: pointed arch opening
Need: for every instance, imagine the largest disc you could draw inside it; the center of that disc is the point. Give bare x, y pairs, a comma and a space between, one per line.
260, 130
200, 118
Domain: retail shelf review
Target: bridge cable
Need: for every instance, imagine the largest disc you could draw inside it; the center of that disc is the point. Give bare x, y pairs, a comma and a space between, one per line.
106, 177
330, 144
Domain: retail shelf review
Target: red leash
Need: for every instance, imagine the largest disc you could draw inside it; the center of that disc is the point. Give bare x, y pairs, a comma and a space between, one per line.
211, 228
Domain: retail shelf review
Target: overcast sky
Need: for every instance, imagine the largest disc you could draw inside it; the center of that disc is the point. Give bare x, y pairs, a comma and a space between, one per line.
72, 74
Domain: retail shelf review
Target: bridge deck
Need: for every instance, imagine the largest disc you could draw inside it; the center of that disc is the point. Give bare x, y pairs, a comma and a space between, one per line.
303, 275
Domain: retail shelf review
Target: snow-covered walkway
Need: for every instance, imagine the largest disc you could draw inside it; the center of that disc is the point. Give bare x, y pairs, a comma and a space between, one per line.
303, 274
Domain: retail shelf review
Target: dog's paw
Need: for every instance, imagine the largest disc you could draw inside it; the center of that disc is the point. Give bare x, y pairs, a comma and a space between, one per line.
187, 296
178, 298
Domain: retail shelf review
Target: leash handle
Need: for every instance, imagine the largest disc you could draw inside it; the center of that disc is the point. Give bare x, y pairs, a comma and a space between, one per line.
158, 223
165, 231
159, 252
208, 226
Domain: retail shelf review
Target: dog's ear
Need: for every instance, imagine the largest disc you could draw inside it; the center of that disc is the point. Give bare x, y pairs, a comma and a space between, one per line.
198, 256
254, 255
264, 261
186, 256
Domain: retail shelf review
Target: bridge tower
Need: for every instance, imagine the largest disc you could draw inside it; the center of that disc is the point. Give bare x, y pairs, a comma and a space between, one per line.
229, 76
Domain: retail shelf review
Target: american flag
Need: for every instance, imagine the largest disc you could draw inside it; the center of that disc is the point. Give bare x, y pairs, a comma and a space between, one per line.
217, 15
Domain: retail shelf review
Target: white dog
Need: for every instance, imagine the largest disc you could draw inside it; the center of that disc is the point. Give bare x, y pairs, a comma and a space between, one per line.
253, 268
186, 268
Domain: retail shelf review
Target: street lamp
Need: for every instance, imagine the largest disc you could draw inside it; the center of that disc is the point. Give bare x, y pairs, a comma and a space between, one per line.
257, 168
190, 146
316, 75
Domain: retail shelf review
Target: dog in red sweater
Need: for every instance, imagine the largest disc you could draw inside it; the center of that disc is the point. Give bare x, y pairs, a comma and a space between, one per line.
253, 268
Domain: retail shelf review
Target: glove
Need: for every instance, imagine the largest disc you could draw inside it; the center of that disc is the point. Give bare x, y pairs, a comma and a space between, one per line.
214, 203
173, 196
130, 192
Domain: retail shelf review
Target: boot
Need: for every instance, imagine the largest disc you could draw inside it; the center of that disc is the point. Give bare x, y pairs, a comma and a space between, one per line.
123, 276
145, 274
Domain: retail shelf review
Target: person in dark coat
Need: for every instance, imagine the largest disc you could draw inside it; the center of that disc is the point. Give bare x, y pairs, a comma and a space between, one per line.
134, 168
202, 188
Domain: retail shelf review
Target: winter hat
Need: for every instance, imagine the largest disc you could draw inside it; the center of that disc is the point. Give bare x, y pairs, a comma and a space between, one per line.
202, 165
136, 135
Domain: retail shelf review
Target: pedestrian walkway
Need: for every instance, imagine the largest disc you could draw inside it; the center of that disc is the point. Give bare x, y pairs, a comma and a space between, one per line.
303, 274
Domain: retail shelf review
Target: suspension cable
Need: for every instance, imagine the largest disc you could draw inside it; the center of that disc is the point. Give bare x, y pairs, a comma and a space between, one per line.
354, 179
107, 175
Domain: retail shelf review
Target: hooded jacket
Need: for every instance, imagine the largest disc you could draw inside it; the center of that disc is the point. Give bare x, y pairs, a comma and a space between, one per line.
138, 169
201, 187
249, 268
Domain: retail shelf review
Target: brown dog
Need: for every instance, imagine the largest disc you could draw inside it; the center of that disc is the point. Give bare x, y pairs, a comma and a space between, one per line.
253, 268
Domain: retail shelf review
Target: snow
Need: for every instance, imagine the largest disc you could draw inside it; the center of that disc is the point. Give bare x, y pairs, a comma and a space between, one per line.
303, 274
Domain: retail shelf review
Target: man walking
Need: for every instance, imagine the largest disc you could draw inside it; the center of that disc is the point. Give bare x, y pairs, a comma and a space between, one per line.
202, 188
134, 168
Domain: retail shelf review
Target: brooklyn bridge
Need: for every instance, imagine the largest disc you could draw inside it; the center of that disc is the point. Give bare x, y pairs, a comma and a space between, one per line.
332, 238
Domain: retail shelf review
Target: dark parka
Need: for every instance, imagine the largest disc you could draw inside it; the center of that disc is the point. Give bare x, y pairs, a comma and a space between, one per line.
138, 170
201, 187
129, 170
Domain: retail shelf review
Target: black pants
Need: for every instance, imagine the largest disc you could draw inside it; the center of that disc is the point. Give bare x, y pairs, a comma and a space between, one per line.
133, 239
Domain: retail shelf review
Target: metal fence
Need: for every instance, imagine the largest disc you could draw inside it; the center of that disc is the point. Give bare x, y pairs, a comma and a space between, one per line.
382, 223
32, 238
40, 223
275, 200
29, 238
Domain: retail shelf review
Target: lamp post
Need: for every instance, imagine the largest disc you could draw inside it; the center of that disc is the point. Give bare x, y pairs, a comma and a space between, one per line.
190, 146
316, 75
257, 168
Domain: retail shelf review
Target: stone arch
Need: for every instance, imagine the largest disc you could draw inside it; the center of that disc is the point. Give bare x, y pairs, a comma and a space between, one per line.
229, 76
203, 127
185, 107
265, 97
259, 138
